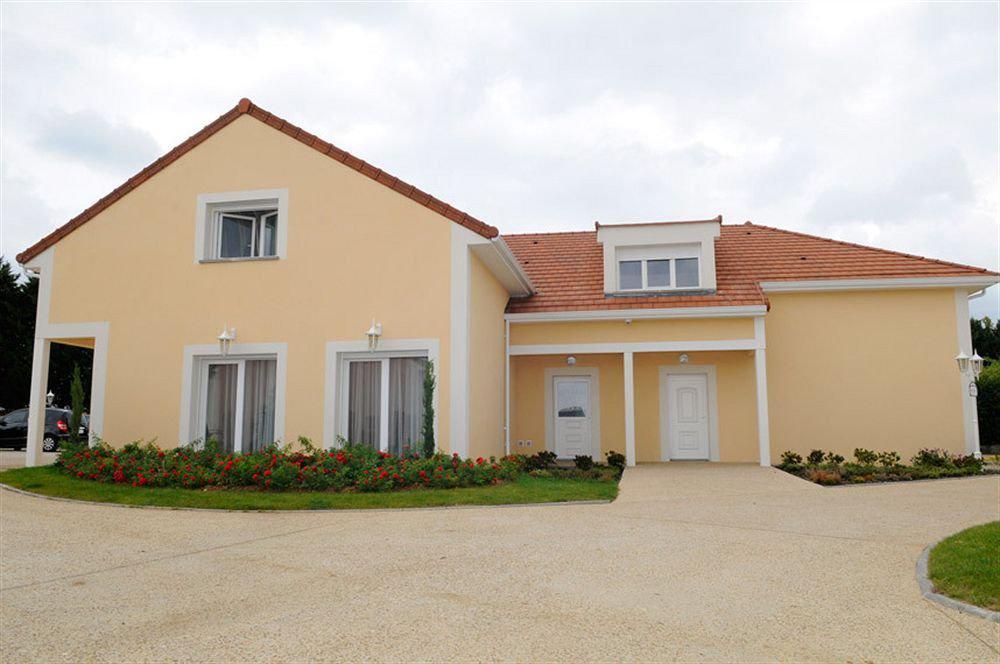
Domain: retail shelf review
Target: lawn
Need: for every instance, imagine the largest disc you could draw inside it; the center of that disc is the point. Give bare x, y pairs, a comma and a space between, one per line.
49, 481
966, 566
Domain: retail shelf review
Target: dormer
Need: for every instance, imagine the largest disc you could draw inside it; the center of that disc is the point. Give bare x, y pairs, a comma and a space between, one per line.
659, 257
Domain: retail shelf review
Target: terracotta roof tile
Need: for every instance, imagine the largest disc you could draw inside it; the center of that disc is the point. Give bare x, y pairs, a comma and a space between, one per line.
246, 107
567, 269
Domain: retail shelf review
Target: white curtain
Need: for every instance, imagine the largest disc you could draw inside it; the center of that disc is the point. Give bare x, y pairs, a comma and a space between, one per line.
220, 416
406, 405
258, 404
364, 397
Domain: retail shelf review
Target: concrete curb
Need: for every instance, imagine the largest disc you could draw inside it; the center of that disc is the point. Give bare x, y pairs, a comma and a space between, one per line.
346, 510
927, 590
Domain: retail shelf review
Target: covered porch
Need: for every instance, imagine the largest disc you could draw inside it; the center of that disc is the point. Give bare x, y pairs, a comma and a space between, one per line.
652, 400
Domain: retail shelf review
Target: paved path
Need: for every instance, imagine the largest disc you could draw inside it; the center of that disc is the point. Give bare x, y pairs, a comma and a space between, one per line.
694, 562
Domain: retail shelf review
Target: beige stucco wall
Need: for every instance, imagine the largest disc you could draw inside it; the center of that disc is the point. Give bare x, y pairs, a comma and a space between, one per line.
736, 403
735, 393
356, 250
638, 330
871, 369
487, 299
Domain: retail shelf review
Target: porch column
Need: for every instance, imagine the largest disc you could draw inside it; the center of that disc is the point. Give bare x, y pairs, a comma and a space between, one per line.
760, 364
629, 409
36, 404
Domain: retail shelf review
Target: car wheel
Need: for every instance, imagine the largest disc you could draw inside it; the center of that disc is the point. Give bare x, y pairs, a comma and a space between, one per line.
48, 444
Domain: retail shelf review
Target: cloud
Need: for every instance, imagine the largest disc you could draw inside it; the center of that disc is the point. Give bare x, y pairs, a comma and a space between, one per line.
870, 124
89, 137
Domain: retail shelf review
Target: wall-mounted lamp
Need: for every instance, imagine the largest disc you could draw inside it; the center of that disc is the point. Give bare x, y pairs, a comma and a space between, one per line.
684, 358
570, 360
374, 333
49, 398
226, 339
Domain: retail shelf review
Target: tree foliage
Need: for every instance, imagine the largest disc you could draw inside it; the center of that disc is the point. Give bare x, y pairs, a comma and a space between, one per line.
76, 397
427, 429
989, 405
986, 337
18, 301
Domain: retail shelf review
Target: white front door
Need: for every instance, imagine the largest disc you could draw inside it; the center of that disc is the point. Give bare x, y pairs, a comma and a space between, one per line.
687, 416
572, 415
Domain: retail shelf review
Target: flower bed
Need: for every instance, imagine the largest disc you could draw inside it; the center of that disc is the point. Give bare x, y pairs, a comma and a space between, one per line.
829, 468
351, 468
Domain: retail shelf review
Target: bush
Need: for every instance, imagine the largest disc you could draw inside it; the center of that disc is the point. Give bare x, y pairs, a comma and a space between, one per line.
826, 477
583, 461
833, 459
932, 457
351, 468
888, 459
815, 457
616, 459
790, 460
865, 457
541, 460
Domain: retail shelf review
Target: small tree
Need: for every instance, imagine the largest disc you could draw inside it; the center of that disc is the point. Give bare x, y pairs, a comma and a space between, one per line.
989, 405
76, 399
427, 429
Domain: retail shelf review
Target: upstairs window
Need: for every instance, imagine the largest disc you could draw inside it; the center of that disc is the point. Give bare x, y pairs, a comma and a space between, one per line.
654, 269
246, 233
242, 225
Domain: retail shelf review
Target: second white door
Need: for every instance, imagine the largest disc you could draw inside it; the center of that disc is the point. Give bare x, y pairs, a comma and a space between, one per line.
687, 416
572, 416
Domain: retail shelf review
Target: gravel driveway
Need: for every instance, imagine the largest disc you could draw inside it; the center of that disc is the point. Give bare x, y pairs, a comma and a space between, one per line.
693, 562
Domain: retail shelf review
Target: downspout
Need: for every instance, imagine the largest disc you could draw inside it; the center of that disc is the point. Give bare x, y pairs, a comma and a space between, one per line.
506, 383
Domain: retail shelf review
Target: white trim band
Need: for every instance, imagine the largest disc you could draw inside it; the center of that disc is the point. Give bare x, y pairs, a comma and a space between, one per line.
622, 314
876, 284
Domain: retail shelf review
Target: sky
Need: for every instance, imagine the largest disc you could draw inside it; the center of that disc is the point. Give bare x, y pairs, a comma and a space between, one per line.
871, 123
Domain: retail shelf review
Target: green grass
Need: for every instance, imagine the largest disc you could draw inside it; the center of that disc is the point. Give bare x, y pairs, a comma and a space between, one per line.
49, 481
966, 566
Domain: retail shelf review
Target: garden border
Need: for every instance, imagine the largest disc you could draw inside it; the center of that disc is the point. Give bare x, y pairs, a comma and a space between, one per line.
7, 487
927, 588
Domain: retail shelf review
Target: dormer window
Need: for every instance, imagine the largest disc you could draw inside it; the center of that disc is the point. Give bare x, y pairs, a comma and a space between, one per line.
655, 257
658, 268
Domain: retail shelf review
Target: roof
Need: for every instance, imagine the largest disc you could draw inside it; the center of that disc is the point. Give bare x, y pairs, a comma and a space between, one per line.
246, 107
567, 269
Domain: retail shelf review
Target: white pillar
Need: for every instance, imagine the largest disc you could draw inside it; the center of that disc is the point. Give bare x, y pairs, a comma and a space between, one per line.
763, 425
36, 405
506, 384
629, 409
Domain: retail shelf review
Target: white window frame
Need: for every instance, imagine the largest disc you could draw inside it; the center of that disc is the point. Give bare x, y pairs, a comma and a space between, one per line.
194, 386
340, 353
345, 391
211, 207
643, 255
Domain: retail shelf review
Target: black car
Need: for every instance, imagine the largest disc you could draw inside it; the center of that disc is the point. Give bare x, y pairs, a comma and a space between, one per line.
14, 428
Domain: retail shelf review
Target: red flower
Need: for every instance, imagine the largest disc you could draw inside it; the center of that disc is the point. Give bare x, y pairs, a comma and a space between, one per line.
423, 473
80, 474
256, 476
161, 454
267, 473
479, 460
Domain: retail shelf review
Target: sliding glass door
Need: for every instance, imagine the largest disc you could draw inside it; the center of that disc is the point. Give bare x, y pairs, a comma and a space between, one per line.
238, 400
384, 408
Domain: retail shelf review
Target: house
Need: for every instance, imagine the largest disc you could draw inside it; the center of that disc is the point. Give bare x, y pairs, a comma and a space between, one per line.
333, 282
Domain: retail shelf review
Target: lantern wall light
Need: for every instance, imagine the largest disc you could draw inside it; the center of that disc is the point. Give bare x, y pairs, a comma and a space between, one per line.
374, 333
226, 339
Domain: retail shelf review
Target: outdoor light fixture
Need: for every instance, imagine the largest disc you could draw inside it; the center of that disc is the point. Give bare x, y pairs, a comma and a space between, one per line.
49, 398
963, 362
684, 358
971, 367
374, 333
226, 339
570, 360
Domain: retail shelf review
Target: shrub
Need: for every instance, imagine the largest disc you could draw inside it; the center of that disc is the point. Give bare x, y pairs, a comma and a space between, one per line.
540, 460
826, 477
932, 457
790, 459
815, 457
583, 461
427, 427
865, 457
352, 468
616, 459
888, 459
833, 459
